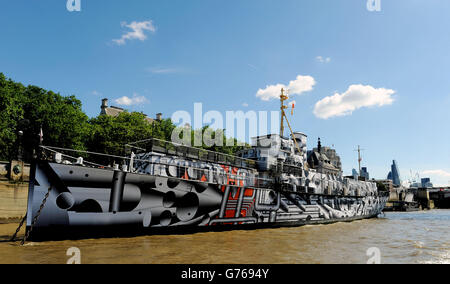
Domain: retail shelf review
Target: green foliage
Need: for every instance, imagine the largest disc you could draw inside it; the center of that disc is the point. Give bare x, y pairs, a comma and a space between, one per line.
381, 186
63, 122
29, 108
10, 113
110, 134
218, 147
65, 125
162, 129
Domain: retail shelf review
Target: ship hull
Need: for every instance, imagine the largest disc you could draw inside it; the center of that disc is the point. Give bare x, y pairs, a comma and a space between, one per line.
88, 202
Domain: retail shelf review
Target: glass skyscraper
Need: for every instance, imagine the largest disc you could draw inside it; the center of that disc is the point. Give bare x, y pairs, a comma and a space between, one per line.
394, 174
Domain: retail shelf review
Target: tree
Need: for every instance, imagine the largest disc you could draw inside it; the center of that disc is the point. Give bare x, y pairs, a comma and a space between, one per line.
381, 186
162, 129
62, 120
10, 113
109, 134
224, 141
65, 125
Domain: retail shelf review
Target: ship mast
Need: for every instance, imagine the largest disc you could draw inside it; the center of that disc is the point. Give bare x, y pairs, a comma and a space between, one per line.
283, 98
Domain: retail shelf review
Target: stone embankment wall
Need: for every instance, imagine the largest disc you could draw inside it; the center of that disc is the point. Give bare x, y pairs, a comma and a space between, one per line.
13, 201
7, 172
13, 191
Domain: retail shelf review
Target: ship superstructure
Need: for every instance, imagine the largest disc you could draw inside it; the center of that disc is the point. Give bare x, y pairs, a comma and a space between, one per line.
164, 185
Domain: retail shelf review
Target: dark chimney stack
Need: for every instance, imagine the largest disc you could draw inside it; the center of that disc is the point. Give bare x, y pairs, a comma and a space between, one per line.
104, 103
319, 146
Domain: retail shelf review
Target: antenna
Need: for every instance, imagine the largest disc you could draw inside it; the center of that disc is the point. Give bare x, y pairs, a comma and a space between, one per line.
359, 158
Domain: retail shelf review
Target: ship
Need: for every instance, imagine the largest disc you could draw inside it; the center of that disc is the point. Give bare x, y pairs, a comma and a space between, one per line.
165, 187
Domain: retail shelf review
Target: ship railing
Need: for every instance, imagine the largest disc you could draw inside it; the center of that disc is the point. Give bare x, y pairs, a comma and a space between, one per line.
188, 152
158, 168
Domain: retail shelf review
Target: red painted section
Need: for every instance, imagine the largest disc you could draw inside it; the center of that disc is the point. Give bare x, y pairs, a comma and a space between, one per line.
248, 192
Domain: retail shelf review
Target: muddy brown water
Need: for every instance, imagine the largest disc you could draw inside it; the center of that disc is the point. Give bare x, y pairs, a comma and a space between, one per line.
416, 237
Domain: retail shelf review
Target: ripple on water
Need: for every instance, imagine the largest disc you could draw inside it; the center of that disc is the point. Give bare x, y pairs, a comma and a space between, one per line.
401, 238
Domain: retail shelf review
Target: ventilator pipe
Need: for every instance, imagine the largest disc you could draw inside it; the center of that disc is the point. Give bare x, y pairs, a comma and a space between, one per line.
165, 219
193, 205
65, 201
149, 199
117, 191
163, 184
173, 183
169, 199
200, 187
187, 207
161, 216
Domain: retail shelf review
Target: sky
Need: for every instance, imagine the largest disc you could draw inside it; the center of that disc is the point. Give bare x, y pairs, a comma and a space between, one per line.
379, 79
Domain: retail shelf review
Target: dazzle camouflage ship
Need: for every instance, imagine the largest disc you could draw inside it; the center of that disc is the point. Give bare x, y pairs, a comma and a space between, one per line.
167, 187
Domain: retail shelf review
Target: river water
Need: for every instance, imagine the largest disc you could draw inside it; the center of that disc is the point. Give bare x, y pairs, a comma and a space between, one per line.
417, 237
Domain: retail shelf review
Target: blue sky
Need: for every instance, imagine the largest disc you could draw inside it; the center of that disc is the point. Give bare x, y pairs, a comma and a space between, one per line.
221, 53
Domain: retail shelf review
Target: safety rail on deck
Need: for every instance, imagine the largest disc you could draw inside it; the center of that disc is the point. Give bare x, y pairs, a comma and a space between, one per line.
170, 170
188, 152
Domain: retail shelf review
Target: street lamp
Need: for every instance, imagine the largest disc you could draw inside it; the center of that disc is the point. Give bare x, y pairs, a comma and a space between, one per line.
20, 151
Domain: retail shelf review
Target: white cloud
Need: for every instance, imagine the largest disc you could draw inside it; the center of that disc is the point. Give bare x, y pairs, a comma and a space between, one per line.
245, 105
438, 177
322, 59
440, 173
135, 100
159, 70
137, 31
296, 87
357, 96
96, 93
253, 67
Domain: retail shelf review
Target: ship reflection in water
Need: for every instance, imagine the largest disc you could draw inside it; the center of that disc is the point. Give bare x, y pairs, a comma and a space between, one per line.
419, 237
